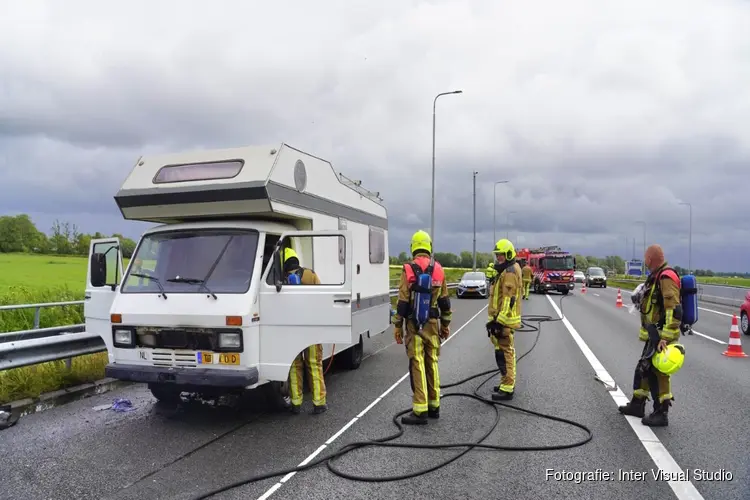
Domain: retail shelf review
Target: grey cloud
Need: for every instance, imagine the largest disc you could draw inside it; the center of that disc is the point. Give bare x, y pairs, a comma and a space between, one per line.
599, 115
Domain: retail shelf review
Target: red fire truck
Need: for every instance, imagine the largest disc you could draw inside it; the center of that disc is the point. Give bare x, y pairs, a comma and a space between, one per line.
553, 269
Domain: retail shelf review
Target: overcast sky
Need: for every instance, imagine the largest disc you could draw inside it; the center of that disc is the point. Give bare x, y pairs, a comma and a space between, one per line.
599, 113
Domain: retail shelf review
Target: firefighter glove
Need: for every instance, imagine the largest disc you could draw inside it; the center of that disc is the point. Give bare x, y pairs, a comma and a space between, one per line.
398, 335
445, 331
494, 328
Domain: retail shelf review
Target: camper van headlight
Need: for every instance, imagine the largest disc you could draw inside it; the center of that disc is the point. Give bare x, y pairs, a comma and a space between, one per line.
123, 338
229, 340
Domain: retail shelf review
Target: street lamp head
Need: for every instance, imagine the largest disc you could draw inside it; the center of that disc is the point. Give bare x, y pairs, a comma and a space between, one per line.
457, 92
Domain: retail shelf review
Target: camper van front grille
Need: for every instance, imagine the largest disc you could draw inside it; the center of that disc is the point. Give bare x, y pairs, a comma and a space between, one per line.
173, 358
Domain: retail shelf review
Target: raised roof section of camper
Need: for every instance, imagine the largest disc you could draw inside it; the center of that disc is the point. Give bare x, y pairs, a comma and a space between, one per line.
251, 182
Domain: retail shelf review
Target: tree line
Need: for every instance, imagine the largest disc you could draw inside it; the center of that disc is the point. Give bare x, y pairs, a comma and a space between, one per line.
610, 263
19, 234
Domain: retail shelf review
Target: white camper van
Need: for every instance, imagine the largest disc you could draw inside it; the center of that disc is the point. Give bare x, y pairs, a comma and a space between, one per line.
203, 305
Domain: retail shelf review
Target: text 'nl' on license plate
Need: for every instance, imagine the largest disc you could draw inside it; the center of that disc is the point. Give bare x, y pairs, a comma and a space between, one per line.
224, 358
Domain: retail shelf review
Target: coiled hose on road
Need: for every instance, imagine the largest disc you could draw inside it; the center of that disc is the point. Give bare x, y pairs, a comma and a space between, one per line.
387, 441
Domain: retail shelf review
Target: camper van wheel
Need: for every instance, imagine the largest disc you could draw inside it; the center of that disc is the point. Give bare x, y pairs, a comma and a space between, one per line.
353, 356
165, 393
276, 394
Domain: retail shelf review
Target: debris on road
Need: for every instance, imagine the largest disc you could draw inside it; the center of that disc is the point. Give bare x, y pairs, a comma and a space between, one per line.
119, 405
7, 417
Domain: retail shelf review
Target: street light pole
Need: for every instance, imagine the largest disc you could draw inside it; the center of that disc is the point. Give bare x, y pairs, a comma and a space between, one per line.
474, 265
494, 211
507, 223
690, 238
432, 209
644, 244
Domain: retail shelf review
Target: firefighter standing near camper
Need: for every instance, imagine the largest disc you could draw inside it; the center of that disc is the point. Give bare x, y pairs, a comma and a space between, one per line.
527, 273
312, 357
422, 341
661, 313
504, 316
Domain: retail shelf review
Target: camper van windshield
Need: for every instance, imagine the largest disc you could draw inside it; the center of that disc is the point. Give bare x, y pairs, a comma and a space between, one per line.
180, 261
558, 263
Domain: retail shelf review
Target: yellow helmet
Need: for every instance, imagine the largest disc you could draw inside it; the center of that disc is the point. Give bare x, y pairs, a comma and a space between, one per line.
421, 241
670, 360
505, 247
288, 254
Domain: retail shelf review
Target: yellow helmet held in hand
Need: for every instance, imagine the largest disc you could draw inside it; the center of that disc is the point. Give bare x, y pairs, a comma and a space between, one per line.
505, 247
670, 360
421, 241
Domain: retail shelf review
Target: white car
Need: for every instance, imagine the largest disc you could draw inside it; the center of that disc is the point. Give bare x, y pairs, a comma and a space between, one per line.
472, 284
579, 277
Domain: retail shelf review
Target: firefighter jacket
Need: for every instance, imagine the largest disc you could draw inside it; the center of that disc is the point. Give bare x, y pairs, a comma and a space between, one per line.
660, 305
505, 297
440, 305
527, 273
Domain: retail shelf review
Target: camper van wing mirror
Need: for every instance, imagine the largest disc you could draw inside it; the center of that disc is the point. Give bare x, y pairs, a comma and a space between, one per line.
574, 263
98, 270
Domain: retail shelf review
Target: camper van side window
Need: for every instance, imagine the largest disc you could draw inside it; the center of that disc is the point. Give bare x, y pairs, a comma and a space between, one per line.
198, 171
377, 245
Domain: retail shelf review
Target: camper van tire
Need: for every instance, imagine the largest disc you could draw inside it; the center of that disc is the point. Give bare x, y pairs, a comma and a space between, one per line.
354, 355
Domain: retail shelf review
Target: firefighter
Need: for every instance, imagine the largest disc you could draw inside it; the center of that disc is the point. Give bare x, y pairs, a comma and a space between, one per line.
527, 274
504, 316
661, 312
490, 272
312, 357
422, 345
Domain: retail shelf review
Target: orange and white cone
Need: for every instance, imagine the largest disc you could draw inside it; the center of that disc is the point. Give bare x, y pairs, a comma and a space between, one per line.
583, 288
619, 298
735, 344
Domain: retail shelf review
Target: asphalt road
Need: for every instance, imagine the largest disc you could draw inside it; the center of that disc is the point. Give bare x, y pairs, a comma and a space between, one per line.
155, 452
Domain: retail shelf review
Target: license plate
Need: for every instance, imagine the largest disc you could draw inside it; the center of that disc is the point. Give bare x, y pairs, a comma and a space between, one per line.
224, 358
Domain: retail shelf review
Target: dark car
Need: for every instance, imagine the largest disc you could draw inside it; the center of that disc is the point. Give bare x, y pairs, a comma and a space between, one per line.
595, 276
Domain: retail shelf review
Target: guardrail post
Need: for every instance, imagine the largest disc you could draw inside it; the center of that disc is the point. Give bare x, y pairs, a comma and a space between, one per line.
37, 313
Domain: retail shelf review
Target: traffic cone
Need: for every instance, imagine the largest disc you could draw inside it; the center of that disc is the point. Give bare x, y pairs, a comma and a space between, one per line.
583, 288
619, 299
735, 344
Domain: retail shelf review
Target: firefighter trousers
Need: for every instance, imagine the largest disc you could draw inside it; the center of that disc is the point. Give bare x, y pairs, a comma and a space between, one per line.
423, 350
505, 357
650, 381
526, 288
311, 360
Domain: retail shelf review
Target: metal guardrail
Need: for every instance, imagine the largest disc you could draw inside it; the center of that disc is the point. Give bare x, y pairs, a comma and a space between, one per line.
725, 295
18, 351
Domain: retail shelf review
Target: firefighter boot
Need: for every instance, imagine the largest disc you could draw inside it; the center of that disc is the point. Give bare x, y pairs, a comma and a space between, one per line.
636, 407
433, 412
414, 419
659, 416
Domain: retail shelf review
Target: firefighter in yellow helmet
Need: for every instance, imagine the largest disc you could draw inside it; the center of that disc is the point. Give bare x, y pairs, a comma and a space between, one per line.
527, 273
490, 272
312, 357
661, 314
504, 316
422, 341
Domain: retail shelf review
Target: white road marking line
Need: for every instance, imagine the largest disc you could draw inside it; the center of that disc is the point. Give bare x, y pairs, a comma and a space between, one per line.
379, 350
597, 295
338, 433
716, 312
684, 490
709, 337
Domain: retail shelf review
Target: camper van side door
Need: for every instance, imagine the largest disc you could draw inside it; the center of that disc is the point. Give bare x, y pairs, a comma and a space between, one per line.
295, 316
102, 278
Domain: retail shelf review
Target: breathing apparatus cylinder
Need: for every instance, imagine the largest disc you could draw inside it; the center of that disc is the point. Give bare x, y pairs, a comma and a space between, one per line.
689, 299
293, 279
422, 298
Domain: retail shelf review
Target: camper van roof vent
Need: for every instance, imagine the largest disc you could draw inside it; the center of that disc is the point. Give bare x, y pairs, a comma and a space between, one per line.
357, 186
